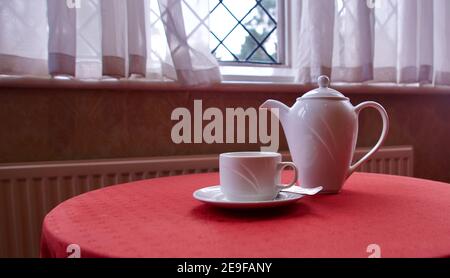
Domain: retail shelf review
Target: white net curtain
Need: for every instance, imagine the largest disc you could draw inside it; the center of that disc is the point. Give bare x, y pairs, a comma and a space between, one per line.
401, 41
156, 39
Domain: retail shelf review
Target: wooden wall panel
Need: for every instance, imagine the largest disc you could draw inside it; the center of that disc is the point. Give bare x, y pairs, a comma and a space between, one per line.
57, 123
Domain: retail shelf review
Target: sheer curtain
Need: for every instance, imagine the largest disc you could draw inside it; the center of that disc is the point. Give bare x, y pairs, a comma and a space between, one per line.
23, 37
155, 39
402, 41
313, 45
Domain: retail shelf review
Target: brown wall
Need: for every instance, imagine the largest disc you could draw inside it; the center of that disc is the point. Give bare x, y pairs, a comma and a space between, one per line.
40, 123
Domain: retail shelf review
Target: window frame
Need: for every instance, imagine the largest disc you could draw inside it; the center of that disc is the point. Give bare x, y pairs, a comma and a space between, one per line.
234, 72
271, 73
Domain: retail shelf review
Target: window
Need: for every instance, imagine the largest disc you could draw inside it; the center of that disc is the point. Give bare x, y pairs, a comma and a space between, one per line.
246, 31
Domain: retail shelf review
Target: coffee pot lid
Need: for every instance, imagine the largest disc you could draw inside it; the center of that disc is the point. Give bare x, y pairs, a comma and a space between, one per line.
324, 91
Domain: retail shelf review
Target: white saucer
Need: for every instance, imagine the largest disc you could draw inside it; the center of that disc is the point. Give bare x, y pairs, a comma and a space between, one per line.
213, 195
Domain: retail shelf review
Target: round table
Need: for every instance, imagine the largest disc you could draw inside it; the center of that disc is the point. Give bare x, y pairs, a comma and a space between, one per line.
374, 215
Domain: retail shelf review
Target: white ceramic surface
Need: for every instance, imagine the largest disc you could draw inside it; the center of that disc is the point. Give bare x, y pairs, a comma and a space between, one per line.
252, 176
213, 195
321, 129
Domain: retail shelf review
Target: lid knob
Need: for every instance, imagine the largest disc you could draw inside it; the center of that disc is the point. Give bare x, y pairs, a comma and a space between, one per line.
323, 81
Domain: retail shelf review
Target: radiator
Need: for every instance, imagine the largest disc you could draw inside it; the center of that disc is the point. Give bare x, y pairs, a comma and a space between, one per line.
397, 160
29, 191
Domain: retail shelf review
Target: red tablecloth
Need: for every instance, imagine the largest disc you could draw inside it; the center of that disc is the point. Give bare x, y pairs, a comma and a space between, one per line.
405, 217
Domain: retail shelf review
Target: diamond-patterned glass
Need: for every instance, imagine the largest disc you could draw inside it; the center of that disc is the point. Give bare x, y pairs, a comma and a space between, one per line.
244, 31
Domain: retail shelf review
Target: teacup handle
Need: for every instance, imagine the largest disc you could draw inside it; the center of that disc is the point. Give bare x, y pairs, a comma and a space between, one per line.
384, 132
281, 166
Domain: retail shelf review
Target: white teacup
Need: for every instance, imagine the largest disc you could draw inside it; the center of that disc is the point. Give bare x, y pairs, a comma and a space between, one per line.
253, 176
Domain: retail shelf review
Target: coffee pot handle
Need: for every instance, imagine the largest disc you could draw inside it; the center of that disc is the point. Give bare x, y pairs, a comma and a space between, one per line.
384, 132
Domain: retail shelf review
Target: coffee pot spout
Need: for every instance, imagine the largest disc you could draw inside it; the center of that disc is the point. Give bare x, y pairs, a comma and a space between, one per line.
280, 109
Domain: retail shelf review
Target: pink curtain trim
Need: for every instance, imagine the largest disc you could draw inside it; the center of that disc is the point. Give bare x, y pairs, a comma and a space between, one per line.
308, 75
356, 74
199, 77
442, 78
137, 64
16, 65
113, 66
60, 63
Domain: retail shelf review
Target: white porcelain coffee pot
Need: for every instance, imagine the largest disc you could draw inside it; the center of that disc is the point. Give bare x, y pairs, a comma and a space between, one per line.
321, 130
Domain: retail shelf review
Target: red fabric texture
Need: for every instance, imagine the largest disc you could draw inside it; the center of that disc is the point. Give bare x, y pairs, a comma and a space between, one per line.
405, 217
